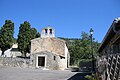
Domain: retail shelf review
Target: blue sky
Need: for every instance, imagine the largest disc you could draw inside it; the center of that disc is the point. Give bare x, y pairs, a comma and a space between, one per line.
68, 17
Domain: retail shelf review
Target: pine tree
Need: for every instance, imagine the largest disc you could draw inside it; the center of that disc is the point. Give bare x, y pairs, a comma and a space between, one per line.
6, 36
26, 34
24, 38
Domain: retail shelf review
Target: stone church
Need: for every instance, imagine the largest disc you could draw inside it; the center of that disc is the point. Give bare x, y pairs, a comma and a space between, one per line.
49, 52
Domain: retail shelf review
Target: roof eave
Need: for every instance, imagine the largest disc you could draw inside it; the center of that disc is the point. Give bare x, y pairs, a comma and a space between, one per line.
106, 36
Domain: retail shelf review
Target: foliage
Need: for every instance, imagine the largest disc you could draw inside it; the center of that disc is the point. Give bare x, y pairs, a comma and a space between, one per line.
24, 37
34, 33
15, 40
26, 33
80, 49
37, 35
92, 77
6, 35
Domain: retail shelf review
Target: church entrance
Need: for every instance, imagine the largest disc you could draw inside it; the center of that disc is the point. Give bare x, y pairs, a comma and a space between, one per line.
41, 61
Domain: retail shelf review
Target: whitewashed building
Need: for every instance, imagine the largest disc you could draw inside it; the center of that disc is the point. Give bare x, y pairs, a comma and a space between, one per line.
12, 52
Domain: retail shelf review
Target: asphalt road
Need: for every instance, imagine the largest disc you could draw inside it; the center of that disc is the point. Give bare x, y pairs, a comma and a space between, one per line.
34, 74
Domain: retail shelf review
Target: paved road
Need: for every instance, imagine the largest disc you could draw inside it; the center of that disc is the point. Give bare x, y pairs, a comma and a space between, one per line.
34, 74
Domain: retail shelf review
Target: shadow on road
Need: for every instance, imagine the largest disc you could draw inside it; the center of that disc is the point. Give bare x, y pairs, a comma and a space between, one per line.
79, 76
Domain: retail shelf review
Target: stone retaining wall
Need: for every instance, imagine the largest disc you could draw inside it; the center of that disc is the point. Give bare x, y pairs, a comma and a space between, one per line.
15, 62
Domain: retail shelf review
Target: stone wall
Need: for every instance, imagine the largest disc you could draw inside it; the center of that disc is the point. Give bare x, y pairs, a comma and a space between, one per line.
15, 62
50, 63
53, 45
53, 61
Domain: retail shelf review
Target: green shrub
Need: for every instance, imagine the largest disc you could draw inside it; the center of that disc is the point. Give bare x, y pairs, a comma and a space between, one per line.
91, 77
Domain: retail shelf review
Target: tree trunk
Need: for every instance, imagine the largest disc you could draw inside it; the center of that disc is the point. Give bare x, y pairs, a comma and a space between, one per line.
2, 53
24, 54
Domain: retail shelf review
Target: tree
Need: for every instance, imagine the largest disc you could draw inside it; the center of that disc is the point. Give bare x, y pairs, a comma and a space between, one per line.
34, 33
6, 36
74, 50
84, 36
80, 49
86, 46
25, 35
37, 35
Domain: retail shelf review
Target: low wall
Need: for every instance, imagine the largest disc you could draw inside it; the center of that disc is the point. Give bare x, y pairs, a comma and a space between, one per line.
15, 62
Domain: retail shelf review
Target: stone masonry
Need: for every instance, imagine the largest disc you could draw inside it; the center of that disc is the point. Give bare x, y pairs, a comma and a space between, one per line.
48, 51
53, 45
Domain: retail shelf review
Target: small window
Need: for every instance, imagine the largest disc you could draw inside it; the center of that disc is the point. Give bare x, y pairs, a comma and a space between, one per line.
54, 58
50, 31
46, 31
61, 57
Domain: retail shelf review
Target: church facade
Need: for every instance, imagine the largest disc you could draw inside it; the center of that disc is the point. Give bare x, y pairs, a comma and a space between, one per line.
49, 52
